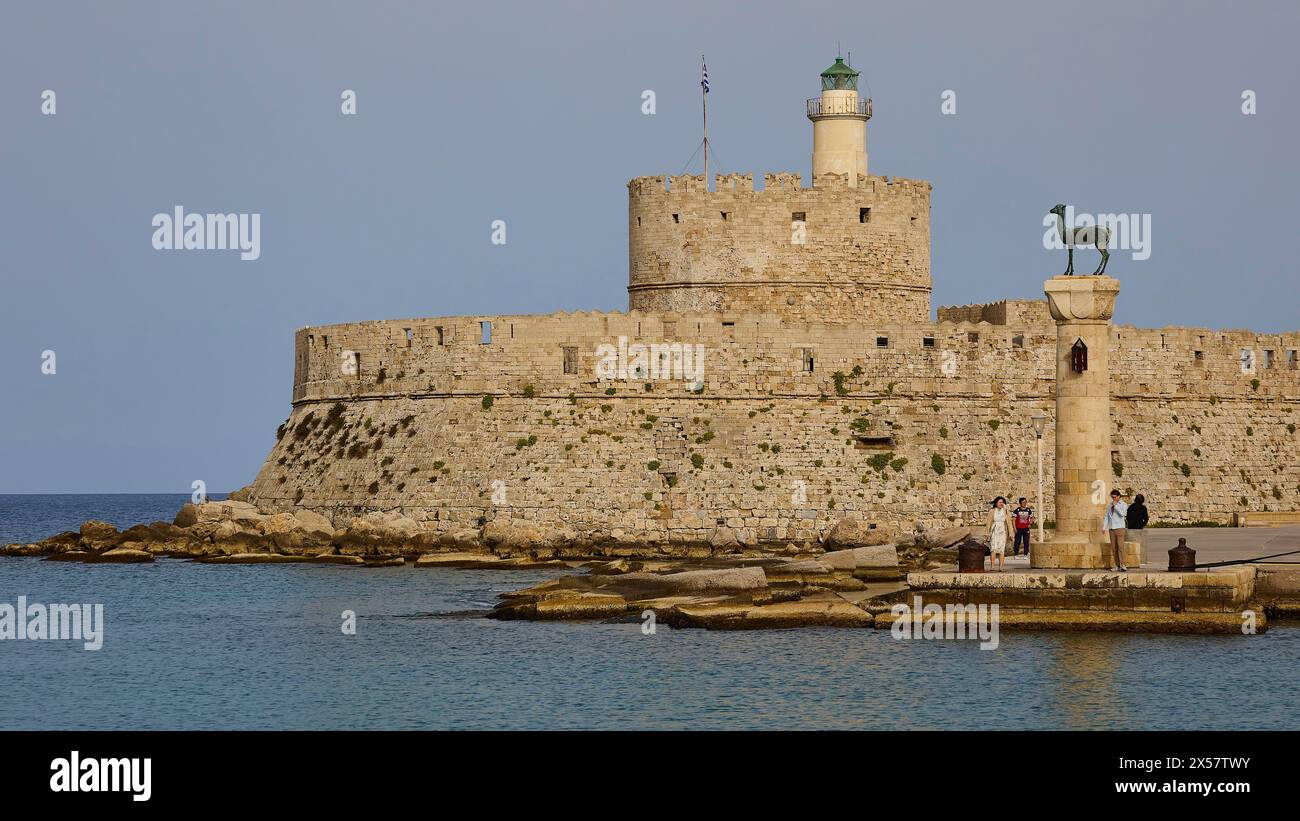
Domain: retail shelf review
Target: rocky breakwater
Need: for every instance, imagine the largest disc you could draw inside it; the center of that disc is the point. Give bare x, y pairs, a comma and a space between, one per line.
237, 531
840, 587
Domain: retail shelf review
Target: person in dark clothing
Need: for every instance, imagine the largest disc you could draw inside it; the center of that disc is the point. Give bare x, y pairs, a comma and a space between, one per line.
1136, 518
1023, 517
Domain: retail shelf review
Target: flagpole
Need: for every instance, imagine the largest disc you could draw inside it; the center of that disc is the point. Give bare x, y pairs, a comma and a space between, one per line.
704, 100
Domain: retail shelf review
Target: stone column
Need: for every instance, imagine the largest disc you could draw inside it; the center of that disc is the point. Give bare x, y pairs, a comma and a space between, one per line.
1082, 307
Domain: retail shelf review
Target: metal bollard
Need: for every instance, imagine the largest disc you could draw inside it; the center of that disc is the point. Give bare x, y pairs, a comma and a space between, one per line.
970, 557
1182, 559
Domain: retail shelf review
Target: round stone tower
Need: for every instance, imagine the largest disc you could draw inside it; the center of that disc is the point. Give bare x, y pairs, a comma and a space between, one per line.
854, 248
839, 120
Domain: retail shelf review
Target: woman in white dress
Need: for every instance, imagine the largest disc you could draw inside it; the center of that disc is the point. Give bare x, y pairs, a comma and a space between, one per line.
997, 528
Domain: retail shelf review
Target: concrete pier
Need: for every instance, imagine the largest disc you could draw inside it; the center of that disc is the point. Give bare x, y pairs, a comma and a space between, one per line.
1217, 601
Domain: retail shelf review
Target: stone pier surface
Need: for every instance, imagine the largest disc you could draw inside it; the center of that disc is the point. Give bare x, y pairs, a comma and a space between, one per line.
1198, 602
1082, 307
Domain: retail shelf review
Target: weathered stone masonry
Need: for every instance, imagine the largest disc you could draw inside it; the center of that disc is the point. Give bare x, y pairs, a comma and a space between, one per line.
409, 429
864, 254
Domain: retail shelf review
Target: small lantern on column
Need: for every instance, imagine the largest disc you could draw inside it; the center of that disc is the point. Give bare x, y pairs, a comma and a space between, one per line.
1079, 356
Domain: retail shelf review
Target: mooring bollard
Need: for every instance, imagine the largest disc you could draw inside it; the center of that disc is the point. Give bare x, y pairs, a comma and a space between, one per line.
1182, 559
970, 557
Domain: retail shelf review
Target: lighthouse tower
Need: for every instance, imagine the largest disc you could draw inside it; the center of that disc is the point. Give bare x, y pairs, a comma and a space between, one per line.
839, 120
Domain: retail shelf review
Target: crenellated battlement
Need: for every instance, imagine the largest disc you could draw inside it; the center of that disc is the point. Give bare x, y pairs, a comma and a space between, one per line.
834, 252
1002, 312
781, 183
753, 354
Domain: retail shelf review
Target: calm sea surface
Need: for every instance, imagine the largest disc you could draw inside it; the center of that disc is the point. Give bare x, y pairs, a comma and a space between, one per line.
190, 646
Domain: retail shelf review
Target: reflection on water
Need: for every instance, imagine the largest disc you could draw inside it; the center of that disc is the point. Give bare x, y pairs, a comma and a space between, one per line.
1085, 671
206, 646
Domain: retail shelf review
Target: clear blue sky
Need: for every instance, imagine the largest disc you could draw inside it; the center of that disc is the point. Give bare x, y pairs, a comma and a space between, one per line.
175, 366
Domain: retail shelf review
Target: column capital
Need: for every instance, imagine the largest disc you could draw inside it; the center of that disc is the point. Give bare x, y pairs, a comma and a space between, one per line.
1081, 298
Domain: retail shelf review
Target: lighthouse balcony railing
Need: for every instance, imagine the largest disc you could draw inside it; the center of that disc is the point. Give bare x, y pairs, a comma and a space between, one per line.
817, 107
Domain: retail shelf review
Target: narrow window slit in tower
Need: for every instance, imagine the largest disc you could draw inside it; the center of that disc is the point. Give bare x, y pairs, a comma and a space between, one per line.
677, 217
485, 329
882, 342
410, 336
927, 342
864, 215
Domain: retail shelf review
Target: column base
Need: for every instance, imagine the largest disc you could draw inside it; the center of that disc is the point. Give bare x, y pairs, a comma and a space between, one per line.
1080, 554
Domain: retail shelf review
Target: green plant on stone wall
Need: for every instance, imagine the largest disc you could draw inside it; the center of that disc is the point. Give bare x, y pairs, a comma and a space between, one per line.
938, 465
487, 404
840, 388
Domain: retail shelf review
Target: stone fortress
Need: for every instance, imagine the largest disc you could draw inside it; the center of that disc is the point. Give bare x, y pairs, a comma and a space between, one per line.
826, 391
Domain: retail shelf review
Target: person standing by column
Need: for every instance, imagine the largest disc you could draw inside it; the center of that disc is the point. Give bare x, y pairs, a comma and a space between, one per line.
1136, 521
1114, 525
1023, 516
997, 529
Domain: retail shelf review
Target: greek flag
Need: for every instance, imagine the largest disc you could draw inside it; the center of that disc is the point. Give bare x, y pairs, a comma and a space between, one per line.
704, 75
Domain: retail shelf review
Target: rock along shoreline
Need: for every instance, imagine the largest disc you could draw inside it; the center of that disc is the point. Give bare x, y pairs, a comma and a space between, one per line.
722, 583
852, 577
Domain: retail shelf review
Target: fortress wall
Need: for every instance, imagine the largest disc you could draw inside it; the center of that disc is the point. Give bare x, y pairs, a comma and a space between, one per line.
1030, 312
735, 250
584, 452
